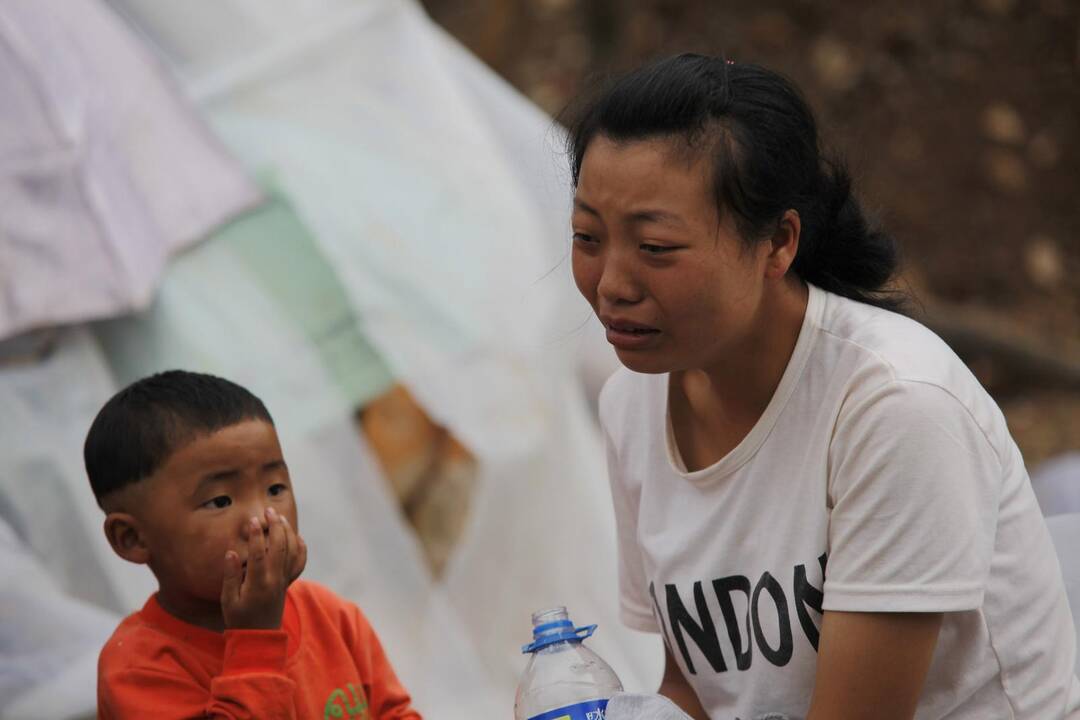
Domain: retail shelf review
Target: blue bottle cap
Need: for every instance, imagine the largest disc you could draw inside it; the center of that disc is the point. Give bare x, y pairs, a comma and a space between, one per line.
554, 626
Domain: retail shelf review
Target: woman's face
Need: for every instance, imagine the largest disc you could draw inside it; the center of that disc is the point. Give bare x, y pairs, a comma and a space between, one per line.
674, 284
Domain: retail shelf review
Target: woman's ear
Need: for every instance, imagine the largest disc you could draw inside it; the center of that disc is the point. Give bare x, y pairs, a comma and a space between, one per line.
784, 245
122, 532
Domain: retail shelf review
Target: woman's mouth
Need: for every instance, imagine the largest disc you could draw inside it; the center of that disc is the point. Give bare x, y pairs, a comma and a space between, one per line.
626, 335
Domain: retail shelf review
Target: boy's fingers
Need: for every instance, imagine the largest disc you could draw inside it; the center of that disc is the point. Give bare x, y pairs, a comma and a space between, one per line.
256, 550
301, 559
230, 584
297, 550
278, 549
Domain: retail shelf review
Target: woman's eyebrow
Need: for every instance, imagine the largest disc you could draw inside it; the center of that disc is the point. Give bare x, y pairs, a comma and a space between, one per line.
657, 216
585, 207
639, 216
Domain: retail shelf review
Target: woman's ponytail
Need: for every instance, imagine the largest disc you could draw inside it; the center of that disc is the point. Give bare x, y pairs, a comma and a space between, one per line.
840, 249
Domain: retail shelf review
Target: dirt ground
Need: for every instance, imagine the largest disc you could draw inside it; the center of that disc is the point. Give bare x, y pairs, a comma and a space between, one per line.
960, 120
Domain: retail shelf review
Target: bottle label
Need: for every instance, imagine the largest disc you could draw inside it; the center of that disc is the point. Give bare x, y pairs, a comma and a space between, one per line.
591, 710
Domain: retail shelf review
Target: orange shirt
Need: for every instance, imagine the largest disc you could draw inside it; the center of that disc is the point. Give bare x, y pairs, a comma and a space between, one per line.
324, 662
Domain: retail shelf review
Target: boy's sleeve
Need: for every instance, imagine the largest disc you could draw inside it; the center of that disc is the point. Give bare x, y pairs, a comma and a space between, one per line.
387, 698
252, 684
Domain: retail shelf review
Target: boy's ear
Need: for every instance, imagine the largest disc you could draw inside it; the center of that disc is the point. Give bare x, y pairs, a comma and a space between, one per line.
122, 532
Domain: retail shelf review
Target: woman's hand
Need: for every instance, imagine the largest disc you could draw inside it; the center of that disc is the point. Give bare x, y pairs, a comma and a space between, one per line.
872, 664
675, 688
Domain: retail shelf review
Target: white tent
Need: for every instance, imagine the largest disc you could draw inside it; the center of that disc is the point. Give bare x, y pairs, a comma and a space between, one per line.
1065, 532
1057, 484
441, 197
437, 194
105, 170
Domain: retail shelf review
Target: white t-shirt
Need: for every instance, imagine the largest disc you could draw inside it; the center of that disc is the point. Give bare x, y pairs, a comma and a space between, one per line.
880, 478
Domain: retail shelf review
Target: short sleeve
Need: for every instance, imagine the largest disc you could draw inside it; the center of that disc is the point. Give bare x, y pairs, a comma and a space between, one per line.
634, 606
914, 488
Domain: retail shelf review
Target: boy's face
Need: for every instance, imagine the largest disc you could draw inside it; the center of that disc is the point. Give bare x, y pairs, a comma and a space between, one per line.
200, 503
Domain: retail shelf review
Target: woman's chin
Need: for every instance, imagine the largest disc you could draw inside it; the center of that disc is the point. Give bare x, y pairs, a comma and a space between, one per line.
642, 362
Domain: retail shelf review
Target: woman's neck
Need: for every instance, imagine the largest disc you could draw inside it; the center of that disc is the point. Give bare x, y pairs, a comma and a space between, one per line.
737, 389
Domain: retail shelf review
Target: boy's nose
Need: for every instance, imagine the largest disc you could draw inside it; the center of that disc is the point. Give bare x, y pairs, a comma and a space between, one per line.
257, 514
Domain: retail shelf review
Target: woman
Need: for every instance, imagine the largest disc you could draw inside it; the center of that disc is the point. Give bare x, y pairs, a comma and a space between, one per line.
818, 506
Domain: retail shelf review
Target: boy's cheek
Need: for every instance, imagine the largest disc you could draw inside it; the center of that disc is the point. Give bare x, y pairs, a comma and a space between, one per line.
209, 576
214, 581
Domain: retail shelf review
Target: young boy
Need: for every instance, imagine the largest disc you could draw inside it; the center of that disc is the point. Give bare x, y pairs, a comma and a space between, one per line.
189, 472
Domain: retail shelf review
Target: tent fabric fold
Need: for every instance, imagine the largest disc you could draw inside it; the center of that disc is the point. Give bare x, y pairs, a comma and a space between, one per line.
437, 197
105, 170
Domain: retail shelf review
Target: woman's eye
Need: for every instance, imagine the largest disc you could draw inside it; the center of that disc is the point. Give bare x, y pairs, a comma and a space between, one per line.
656, 249
221, 501
583, 238
277, 489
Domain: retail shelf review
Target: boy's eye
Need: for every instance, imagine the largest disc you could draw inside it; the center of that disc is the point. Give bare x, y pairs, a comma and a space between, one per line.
221, 501
277, 488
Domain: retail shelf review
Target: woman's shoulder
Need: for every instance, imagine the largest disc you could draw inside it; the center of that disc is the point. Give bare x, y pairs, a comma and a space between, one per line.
899, 347
892, 361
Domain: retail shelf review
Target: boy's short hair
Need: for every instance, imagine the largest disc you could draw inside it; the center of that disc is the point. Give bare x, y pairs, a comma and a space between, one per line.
143, 424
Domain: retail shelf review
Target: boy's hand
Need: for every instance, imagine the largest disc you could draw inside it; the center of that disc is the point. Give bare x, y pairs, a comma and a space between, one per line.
254, 599
299, 557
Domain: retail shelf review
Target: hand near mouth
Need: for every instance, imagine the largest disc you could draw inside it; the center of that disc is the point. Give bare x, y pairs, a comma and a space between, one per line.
253, 591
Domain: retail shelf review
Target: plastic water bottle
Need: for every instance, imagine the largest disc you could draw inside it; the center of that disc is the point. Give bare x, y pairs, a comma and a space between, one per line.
564, 680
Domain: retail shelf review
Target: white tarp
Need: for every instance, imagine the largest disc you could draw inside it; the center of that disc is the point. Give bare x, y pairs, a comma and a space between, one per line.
46, 635
104, 169
1065, 532
1057, 484
444, 221
55, 563
358, 543
437, 193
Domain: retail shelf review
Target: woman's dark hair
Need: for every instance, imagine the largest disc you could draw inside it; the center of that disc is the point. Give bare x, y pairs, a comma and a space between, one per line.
766, 159
146, 422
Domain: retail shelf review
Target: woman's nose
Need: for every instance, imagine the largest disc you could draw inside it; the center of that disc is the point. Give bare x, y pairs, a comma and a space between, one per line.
618, 285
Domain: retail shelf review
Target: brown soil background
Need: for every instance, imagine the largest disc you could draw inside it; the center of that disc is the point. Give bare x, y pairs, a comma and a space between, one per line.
959, 119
